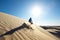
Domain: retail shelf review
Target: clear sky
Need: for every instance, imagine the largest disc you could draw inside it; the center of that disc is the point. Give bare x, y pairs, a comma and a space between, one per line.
43, 12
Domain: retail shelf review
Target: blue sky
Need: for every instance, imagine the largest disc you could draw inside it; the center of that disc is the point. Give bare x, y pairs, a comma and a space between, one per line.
22, 8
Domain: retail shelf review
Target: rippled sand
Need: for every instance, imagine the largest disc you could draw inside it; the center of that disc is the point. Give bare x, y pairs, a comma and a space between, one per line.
33, 32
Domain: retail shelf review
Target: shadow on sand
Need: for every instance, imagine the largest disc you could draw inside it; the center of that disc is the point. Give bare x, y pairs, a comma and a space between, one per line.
13, 30
57, 33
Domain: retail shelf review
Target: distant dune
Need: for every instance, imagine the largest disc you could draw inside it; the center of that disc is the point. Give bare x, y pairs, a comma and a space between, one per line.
55, 30
14, 28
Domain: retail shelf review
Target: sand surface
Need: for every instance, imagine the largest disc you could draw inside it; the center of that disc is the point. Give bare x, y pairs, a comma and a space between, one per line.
26, 32
55, 30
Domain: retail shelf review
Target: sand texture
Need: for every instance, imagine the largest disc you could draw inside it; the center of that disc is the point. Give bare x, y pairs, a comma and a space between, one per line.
14, 28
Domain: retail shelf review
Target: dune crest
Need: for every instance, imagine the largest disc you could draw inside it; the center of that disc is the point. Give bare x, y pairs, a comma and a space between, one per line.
14, 28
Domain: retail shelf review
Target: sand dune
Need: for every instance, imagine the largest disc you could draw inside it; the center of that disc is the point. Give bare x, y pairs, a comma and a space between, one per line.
55, 30
27, 31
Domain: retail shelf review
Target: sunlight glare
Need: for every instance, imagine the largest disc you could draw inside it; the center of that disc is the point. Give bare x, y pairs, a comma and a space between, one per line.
36, 10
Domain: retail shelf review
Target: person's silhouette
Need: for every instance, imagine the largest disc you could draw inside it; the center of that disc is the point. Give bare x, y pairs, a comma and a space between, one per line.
30, 20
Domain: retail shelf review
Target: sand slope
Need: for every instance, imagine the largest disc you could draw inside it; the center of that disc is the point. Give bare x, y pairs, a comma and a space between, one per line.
55, 30
33, 32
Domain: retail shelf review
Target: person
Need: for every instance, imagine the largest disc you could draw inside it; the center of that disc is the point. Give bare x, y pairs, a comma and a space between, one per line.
30, 20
